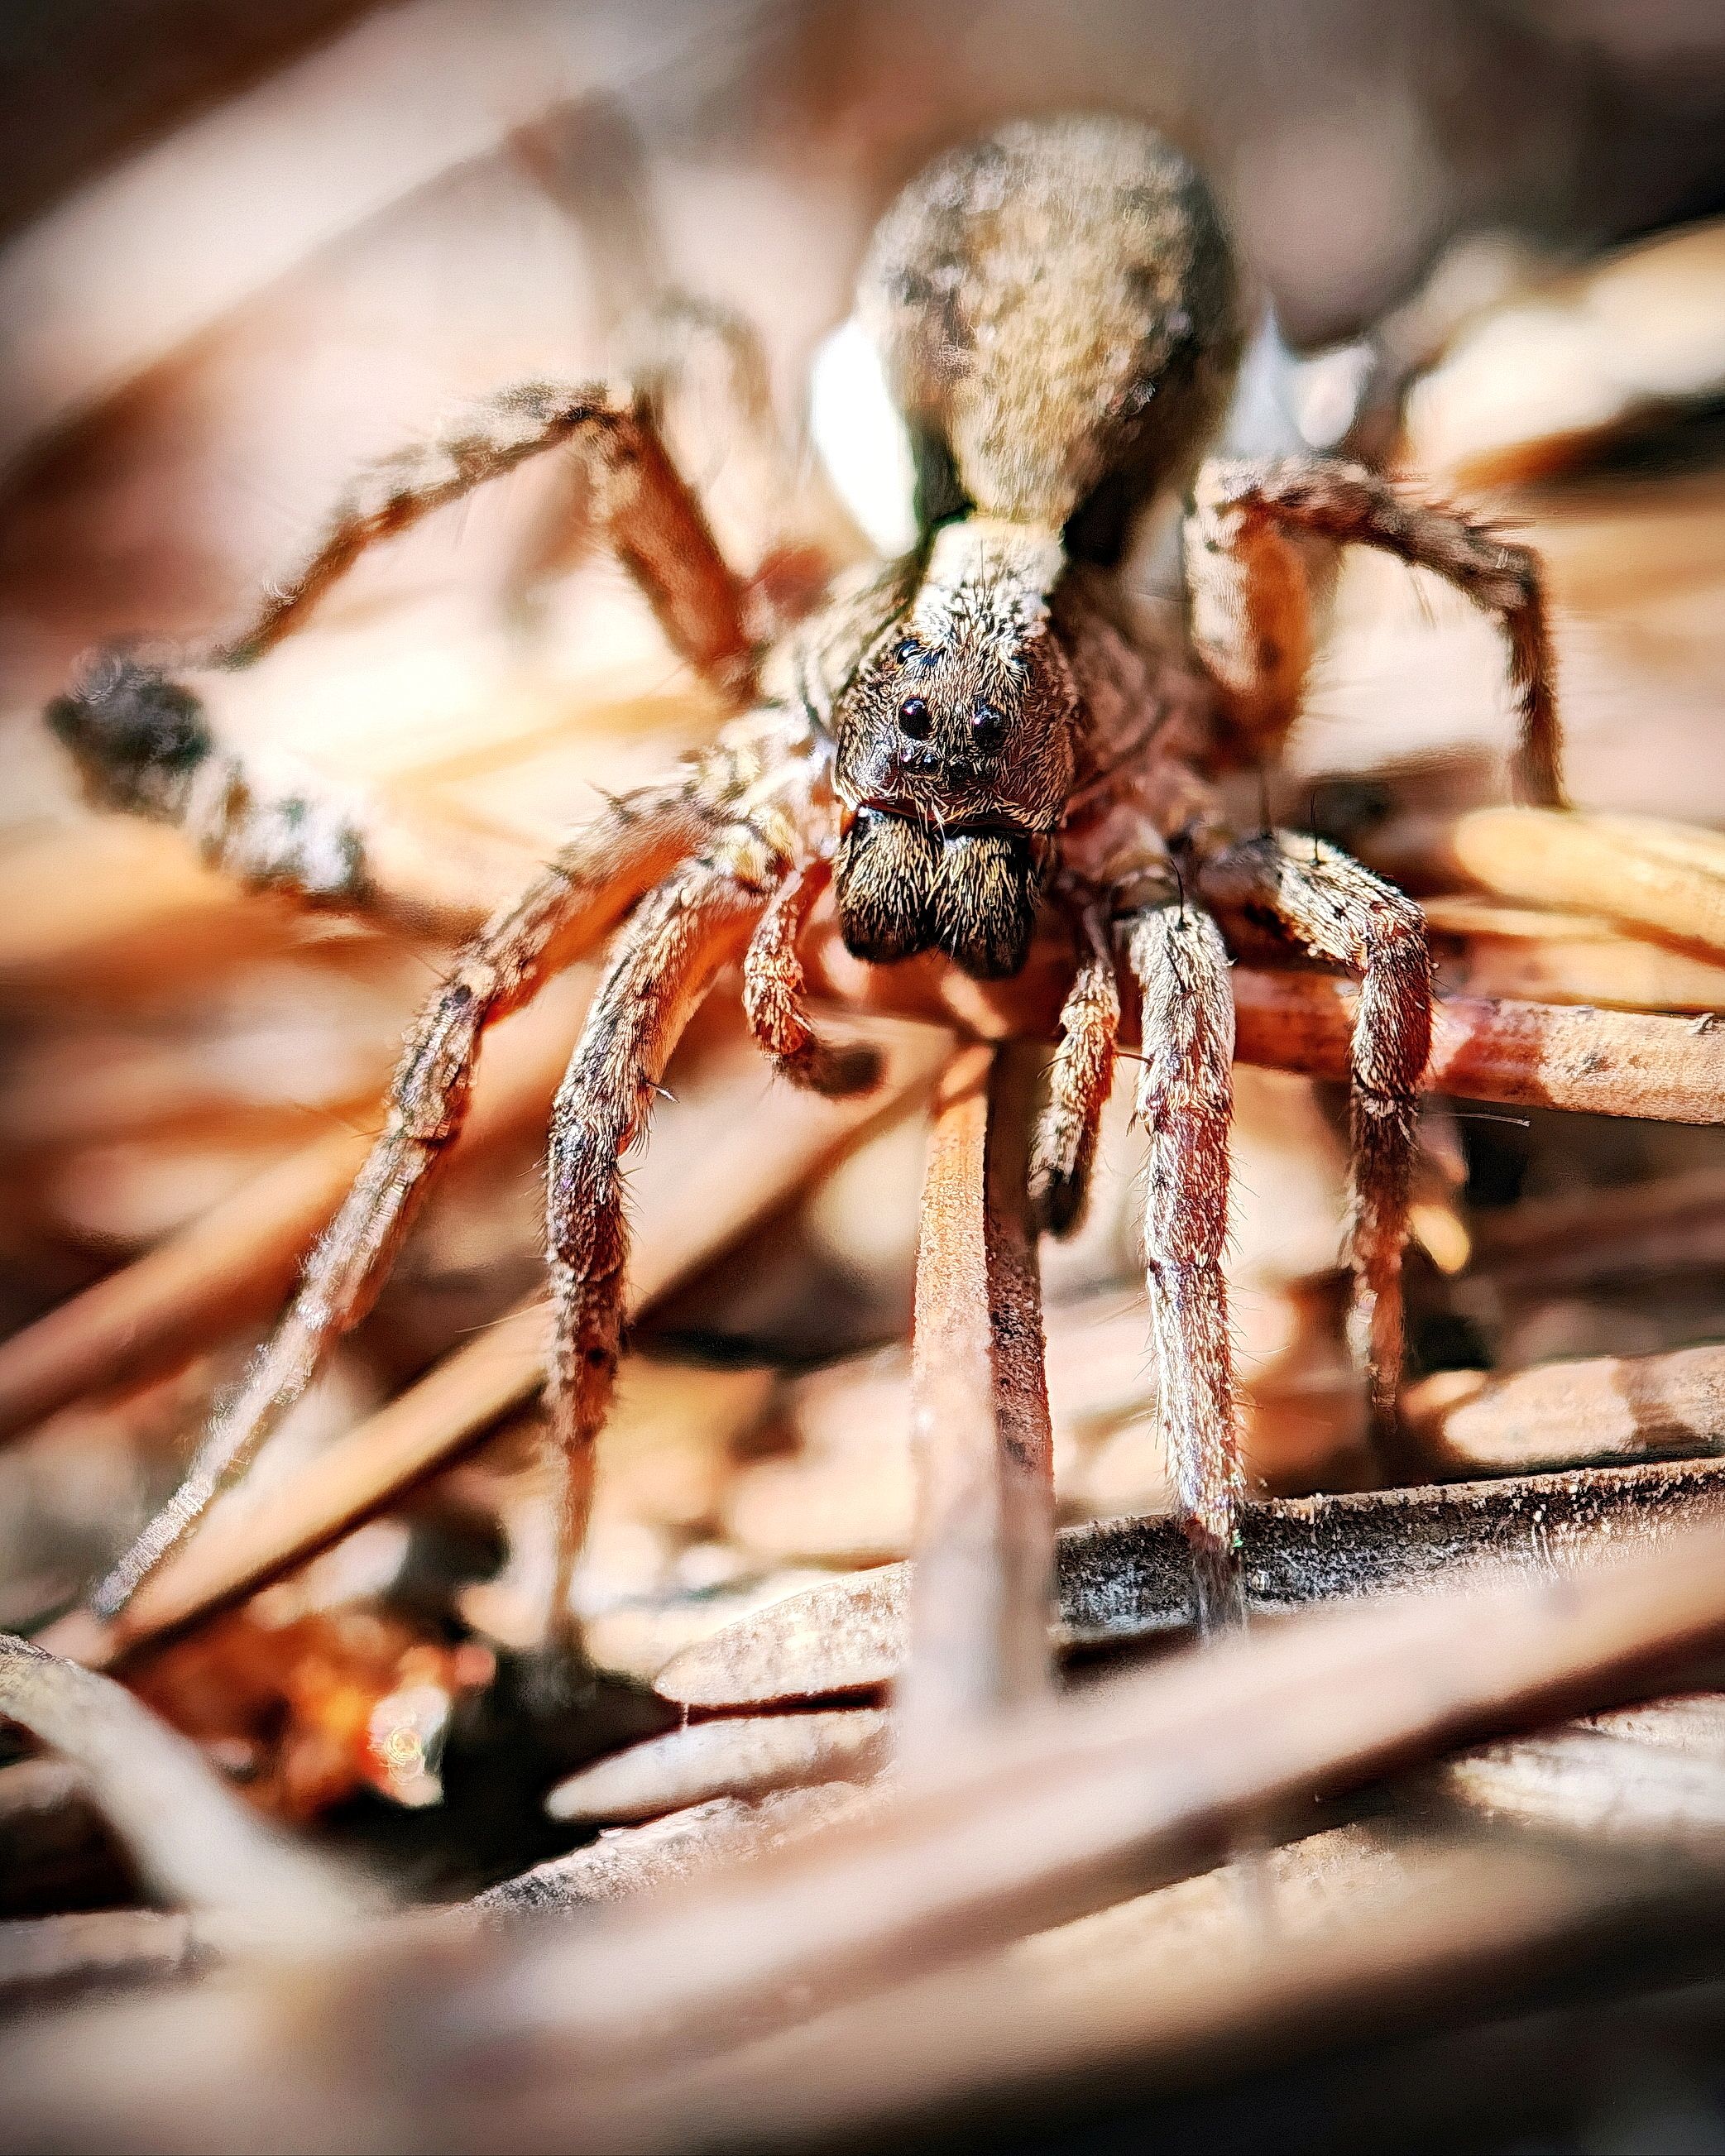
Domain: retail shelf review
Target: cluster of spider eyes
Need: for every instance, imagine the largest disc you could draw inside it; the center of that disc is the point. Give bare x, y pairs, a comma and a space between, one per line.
987, 726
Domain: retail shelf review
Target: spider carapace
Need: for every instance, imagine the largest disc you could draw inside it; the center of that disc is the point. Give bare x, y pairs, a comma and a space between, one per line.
968, 741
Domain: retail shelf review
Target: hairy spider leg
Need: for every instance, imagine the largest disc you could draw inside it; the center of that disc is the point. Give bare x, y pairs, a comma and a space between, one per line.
146, 744
1250, 604
1341, 911
647, 510
775, 996
1079, 1081
664, 964
1185, 1102
700, 368
598, 874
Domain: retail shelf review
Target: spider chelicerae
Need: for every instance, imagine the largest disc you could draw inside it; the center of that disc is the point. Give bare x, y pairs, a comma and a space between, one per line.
958, 746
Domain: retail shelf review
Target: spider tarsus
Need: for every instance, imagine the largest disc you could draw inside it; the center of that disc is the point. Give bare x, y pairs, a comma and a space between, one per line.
1057, 1200
837, 1072
1218, 1587
137, 736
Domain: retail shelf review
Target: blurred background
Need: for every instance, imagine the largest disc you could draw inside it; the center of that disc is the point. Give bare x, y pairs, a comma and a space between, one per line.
243, 247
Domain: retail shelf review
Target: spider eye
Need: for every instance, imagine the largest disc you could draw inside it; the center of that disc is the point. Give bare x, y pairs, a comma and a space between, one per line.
913, 718
908, 650
987, 726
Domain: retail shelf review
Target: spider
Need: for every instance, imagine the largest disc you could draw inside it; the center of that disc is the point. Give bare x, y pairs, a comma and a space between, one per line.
955, 746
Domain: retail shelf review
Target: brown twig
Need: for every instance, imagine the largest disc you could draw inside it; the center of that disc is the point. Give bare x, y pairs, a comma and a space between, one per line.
227, 1269
1488, 949
1031, 1820
51, 1957
1671, 1224
629, 1861
1353, 1929
1604, 1063
1601, 1063
843, 1495
231, 1267
560, 2036
1131, 1579
1599, 1788
980, 1416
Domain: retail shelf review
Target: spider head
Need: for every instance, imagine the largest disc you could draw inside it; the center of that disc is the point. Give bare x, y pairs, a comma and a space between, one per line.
956, 749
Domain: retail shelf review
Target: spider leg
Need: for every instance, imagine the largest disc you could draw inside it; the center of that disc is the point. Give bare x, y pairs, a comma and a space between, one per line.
1185, 1102
703, 371
1341, 911
598, 874
1078, 1083
1250, 604
146, 744
647, 510
694, 923
775, 996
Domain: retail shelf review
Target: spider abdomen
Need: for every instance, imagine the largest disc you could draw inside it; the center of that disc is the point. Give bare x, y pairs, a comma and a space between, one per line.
1058, 310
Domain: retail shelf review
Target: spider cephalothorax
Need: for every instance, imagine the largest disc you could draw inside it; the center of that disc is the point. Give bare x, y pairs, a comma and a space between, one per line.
953, 743
955, 746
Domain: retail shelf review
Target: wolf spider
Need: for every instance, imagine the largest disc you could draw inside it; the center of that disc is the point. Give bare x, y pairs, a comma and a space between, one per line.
956, 744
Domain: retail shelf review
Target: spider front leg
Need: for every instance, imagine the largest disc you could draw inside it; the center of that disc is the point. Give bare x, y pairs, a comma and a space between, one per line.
666, 959
1185, 1102
565, 910
1079, 1082
1250, 603
775, 996
1341, 911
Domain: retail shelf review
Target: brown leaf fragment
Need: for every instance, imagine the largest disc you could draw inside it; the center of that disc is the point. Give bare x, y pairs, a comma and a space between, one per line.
737, 1756
1131, 1579
1663, 878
